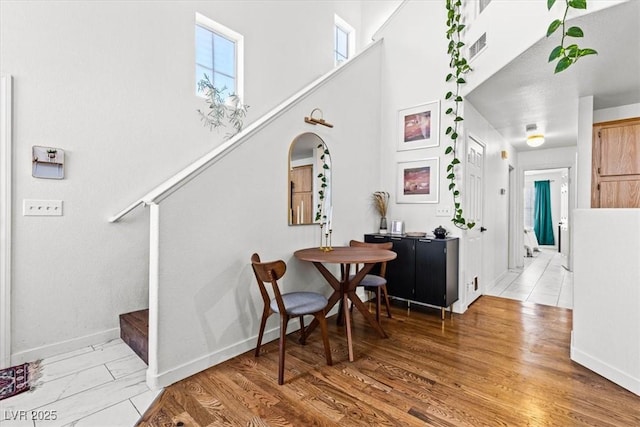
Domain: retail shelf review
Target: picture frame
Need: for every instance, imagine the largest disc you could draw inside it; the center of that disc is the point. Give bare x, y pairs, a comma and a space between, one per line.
419, 126
418, 181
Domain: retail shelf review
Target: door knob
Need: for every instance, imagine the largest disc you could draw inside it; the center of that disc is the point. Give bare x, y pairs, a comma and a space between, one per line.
482, 229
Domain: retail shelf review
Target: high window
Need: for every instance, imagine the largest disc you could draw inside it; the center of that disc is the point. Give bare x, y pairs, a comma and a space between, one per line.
219, 54
344, 42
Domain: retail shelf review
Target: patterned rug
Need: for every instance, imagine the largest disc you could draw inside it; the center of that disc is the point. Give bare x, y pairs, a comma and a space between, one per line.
18, 379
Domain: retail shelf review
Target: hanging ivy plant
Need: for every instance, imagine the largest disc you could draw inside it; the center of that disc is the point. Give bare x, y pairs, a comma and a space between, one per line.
459, 67
567, 55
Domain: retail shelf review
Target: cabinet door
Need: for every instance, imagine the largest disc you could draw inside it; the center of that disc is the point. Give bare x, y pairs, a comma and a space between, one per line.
401, 271
437, 271
431, 272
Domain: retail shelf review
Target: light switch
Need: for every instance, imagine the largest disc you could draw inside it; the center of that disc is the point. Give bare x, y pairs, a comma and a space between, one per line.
42, 207
443, 211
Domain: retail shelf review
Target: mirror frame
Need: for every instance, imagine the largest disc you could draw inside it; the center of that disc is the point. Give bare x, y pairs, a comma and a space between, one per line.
318, 159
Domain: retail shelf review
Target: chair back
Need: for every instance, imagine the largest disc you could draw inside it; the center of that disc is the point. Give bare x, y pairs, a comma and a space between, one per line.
269, 272
386, 245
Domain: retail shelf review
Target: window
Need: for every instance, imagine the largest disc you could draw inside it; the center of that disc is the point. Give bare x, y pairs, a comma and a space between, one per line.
529, 203
219, 55
344, 42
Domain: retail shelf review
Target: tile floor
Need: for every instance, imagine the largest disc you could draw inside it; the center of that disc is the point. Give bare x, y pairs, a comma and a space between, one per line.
99, 385
543, 280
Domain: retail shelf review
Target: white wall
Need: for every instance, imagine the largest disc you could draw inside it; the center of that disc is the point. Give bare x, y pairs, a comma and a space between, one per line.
512, 27
606, 245
374, 15
112, 83
415, 36
406, 86
606, 277
209, 304
585, 147
616, 113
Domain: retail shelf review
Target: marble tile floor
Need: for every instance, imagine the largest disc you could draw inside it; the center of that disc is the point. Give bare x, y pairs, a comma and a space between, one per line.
99, 385
542, 280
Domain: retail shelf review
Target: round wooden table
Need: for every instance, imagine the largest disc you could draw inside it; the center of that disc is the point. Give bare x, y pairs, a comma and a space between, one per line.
344, 289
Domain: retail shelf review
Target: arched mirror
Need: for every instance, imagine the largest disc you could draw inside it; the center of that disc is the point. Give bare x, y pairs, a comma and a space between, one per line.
309, 179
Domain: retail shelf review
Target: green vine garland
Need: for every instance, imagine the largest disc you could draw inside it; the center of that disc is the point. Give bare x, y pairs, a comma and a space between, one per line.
323, 183
459, 66
567, 55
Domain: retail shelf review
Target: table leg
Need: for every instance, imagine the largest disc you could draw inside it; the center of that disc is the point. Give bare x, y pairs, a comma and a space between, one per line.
347, 320
365, 312
351, 293
344, 278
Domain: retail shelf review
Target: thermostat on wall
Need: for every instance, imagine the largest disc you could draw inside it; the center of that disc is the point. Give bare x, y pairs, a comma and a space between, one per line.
47, 162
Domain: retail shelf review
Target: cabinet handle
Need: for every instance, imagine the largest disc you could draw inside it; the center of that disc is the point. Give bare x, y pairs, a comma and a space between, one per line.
378, 237
396, 238
426, 241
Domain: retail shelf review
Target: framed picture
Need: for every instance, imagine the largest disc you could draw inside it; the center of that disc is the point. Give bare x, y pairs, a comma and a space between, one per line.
419, 126
418, 181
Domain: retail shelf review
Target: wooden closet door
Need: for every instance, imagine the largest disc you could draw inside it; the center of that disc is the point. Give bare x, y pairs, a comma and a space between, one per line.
616, 165
302, 194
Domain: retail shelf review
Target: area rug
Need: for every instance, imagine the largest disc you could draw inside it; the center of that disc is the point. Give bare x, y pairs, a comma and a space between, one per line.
18, 379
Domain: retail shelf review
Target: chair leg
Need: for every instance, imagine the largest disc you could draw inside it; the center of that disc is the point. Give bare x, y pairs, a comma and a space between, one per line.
303, 335
284, 319
378, 304
386, 300
322, 320
263, 323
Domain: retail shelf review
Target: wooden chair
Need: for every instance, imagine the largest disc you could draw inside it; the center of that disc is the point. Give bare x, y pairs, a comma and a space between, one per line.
373, 282
292, 304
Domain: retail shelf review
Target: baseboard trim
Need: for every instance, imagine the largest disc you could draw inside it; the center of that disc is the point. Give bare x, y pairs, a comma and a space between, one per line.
605, 370
168, 377
64, 346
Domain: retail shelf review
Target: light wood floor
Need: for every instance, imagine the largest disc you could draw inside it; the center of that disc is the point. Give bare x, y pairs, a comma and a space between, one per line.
502, 363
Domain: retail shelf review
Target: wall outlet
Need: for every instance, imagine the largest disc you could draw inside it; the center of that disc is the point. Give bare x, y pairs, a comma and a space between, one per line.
42, 207
443, 211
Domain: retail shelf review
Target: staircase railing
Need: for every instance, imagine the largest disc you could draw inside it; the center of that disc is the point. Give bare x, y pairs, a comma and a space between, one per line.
176, 181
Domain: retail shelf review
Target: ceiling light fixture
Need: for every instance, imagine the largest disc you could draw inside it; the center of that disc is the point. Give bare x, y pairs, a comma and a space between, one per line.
534, 138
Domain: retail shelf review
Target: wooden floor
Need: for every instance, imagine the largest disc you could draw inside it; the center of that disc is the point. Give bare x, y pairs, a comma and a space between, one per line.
502, 363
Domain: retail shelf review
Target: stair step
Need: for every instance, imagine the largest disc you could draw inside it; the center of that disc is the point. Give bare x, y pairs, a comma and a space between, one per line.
134, 330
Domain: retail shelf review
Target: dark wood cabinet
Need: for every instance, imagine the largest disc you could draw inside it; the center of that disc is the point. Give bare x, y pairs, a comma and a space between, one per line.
425, 271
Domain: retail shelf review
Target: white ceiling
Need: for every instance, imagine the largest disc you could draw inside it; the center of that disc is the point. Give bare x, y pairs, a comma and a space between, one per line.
527, 91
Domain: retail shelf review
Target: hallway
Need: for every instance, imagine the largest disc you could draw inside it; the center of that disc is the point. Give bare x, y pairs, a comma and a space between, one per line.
543, 280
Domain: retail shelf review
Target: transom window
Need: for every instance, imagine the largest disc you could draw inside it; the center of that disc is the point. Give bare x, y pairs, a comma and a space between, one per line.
344, 42
218, 56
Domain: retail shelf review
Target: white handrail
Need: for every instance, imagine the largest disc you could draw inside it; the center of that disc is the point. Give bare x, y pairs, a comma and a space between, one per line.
179, 179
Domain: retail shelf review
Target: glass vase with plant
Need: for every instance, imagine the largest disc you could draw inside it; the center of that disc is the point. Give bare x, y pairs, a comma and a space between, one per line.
381, 203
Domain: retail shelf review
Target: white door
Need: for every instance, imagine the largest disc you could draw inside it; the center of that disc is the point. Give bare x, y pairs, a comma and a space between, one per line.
564, 219
473, 208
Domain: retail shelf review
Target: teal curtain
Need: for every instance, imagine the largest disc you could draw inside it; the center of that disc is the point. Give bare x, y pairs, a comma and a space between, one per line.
542, 222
